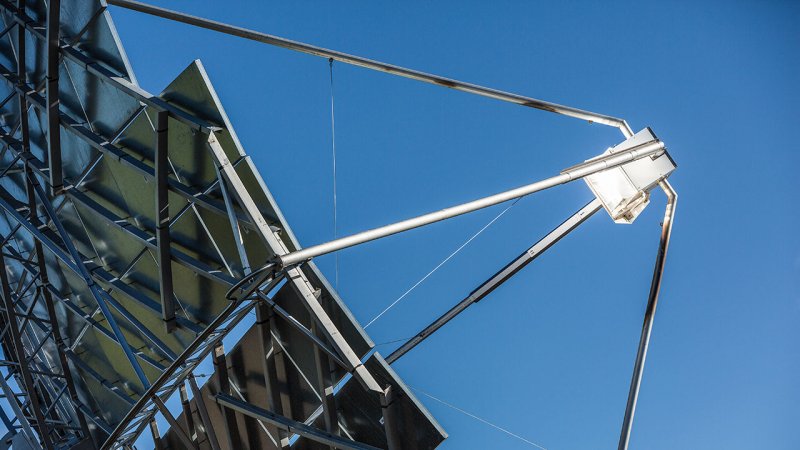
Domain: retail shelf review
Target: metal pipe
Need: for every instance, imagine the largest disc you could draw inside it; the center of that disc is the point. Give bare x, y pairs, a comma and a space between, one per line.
500, 277
597, 165
650, 312
372, 64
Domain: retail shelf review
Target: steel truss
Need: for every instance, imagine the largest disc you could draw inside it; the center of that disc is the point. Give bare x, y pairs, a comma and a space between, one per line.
41, 390
59, 422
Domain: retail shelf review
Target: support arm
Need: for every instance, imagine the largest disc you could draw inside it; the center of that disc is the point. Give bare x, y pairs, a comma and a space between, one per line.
373, 65
595, 165
500, 277
649, 315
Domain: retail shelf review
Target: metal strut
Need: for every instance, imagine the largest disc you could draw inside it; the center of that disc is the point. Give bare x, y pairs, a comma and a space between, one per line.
649, 315
574, 173
500, 277
374, 65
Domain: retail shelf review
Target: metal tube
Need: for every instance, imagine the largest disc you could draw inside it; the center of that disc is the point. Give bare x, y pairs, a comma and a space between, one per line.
581, 171
650, 312
373, 65
500, 277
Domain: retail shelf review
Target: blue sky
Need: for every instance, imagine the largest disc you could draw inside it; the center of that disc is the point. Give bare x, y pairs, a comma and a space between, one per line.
549, 355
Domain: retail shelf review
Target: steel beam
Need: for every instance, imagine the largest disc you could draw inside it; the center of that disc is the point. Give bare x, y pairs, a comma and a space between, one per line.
187, 411
289, 425
31, 186
18, 347
274, 367
224, 384
15, 407
500, 277
325, 387
157, 444
186, 362
75, 262
184, 438
594, 165
163, 221
208, 426
649, 315
113, 79
56, 334
390, 417
374, 65
80, 314
107, 147
52, 95
19, 350
294, 275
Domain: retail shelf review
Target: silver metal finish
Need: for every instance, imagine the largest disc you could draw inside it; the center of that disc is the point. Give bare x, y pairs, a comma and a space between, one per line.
597, 165
488, 286
649, 315
374, 65
122, 212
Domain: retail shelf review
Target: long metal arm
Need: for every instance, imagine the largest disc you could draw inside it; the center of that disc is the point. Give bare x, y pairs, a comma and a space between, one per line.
374, 65
649, 315
574, 173
500, 277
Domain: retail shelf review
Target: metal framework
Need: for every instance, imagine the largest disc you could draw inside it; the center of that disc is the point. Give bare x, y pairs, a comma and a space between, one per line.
114, 291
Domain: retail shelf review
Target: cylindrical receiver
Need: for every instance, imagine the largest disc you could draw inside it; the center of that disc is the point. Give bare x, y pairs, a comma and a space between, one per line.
597, 165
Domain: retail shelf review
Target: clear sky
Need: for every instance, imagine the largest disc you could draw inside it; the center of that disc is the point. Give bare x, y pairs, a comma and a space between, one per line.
549, 355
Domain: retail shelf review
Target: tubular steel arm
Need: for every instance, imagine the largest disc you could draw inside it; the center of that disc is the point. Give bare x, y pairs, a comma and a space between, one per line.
595, 165
649, 315
500, 277
374, 65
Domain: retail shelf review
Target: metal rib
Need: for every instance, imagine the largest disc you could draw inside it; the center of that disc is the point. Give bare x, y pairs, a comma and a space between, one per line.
374, 65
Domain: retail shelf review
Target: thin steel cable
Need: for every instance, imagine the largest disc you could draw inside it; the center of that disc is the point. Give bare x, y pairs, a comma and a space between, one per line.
444, 261
333, 150
497, 427
393, 341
